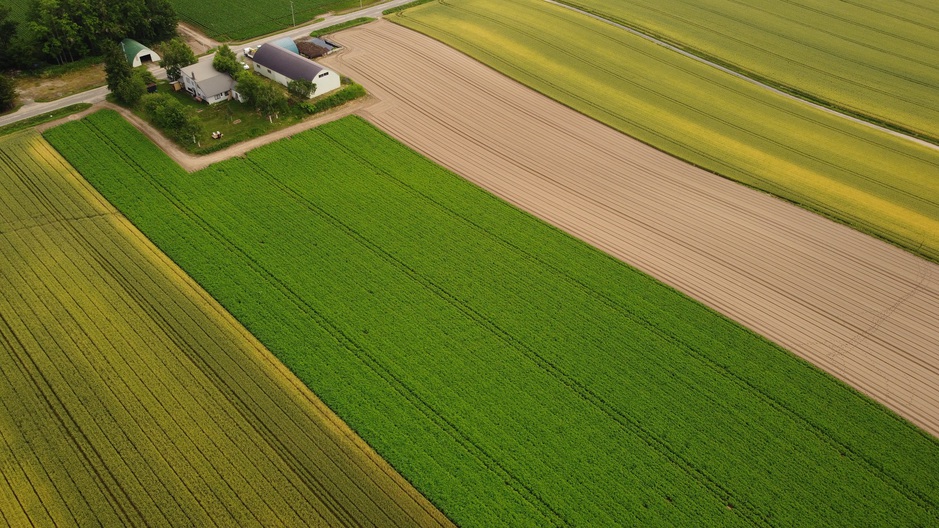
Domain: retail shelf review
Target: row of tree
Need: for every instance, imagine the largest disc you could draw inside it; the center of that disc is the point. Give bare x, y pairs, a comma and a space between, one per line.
63, 31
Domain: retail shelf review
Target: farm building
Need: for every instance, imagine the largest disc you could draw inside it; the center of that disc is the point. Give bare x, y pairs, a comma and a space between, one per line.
287, 43
137, 53
312, 47
284, 66
206, 83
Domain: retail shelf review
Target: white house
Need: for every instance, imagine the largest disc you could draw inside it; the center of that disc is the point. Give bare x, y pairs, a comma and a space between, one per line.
284, 66
206, 83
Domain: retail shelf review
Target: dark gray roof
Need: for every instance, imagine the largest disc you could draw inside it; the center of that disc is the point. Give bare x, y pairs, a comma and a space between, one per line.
288, 64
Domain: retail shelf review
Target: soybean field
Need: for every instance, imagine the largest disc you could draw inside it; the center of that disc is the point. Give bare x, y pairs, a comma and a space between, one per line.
515, 375
243, 19
129, 397
870, 58
883, 185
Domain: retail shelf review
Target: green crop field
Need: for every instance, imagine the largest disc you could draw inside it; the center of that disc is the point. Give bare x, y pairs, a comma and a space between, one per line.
226, 20
876, 182
871, 58
128, 397
515, 375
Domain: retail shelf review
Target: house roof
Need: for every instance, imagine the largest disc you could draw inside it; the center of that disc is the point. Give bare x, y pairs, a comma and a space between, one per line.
288, 64
131, 48
210, 81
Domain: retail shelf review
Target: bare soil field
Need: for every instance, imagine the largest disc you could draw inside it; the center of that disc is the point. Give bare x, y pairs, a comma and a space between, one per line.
862, 310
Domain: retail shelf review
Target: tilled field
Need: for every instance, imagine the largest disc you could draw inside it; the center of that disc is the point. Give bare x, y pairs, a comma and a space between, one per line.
859, 308
128, 396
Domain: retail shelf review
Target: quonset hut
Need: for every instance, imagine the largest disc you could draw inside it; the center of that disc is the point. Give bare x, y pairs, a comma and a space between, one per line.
284, 66
137, 53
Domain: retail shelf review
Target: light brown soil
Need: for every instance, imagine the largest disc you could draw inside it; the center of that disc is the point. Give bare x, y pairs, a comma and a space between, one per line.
863, 310
195, 39
42, 89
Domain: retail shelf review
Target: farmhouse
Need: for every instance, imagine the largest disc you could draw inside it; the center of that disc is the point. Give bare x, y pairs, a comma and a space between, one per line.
284, 66
206, 83
137, 53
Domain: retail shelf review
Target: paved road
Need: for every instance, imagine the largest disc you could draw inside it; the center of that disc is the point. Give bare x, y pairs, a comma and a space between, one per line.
728, 71
98, 94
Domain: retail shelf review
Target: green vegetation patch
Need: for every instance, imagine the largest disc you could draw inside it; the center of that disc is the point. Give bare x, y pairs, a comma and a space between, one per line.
869, 58
44, 118
226, 20
515, 375
339, 27
878, 183
128, 397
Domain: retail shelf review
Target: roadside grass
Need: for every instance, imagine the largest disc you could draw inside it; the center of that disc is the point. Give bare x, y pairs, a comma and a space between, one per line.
880, 184
339, 27
867, 58
44, 118
515, 375
239, 20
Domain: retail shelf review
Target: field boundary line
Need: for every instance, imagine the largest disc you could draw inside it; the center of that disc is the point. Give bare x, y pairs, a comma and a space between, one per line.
833, 110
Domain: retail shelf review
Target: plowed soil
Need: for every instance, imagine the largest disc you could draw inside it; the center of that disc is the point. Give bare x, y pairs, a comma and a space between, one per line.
863, 310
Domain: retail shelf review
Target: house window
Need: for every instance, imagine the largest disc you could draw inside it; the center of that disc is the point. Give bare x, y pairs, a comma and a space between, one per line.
268, 70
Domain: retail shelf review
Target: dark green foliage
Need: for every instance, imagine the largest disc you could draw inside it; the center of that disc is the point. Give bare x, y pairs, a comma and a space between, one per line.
13, 51
301, 88
515, 375
66, 30
7, 93
263, 94
341, 96
226, 61
339, 27
169, 115
176, 55
44, 118
116, 68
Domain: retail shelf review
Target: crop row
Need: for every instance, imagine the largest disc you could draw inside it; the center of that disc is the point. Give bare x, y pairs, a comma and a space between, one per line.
131, 398
870, 180
513, 374
863, 57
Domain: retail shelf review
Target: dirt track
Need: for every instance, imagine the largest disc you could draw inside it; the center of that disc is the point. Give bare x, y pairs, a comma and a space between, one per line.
858, 308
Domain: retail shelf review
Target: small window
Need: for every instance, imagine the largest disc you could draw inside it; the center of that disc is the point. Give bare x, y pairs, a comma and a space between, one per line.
268, 70
324, 74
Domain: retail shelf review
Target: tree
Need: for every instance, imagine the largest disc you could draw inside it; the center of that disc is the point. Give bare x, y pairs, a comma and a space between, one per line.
129, 91
226, 61
13, 50
176, 55
7, 93
171, 116
260, 93
301, 88
66, 30
116, 67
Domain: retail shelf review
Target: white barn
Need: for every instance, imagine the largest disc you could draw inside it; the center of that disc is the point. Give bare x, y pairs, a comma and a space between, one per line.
137, 53
206, 83
284, 66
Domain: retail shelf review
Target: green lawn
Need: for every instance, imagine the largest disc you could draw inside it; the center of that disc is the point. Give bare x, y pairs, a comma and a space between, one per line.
243, 19
878, 183
872, 58
515, 375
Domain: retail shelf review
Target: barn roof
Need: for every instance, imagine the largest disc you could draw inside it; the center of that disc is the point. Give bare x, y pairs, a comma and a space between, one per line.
131, 48
288, 64
287, 43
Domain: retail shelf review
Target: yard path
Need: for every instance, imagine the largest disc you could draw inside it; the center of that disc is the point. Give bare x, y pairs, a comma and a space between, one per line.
191, 162
863, 310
